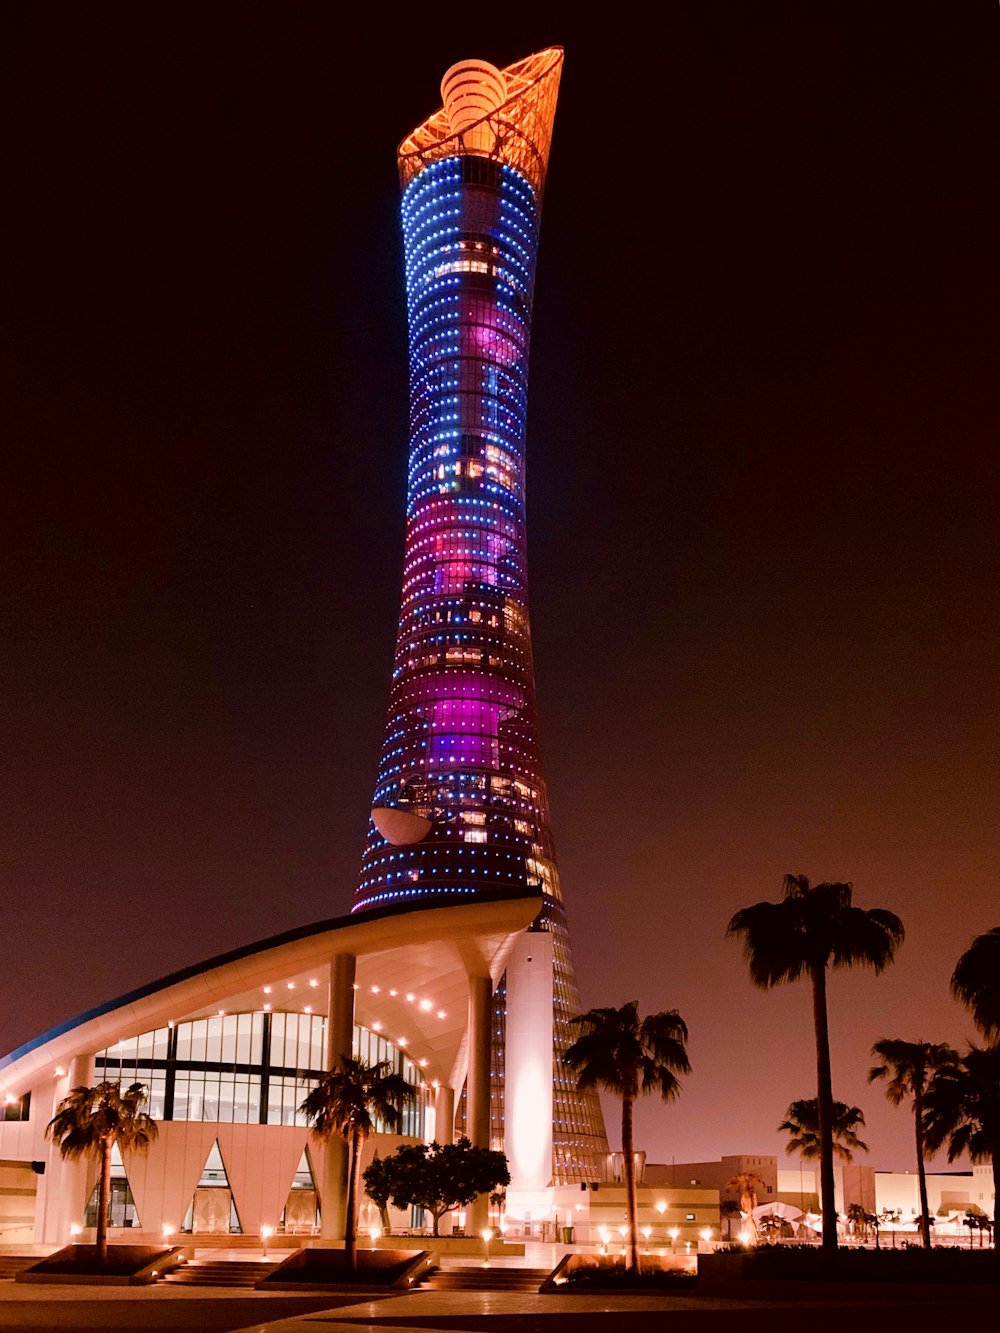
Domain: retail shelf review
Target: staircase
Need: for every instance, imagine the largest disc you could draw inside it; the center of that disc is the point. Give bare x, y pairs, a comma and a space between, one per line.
219, 1272
13, 1263
480, 1278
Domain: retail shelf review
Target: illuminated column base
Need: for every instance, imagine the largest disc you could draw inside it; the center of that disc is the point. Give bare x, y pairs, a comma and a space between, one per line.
528, 1065
339, 1043
478, 1102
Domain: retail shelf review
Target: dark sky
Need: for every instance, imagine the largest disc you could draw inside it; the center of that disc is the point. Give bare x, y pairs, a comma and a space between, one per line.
763, 487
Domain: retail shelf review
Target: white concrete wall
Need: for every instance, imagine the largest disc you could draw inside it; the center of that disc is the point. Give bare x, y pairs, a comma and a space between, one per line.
946, 1193
260, 1161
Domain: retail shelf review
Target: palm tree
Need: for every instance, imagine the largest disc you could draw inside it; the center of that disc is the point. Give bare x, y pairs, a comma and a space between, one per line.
962, 1109
89, 1122
976, 982
728, 1209
906, 1065
814, 927
629, 1056
802, 1123
346, 1102
745, 1184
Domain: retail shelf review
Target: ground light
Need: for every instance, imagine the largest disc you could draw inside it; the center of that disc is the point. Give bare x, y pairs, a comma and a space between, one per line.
487, 1235
373, 1235
265, 1235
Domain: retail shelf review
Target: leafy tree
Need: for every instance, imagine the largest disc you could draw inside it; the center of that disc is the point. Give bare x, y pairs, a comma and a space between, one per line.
629, 1057
962, 1110
906, 1067
89, 1122
346, 1103
802, 1123
813, 928
976, 982
378, 1188
439, 1177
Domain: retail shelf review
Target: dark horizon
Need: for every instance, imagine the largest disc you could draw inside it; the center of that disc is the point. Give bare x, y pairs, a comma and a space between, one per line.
761, 503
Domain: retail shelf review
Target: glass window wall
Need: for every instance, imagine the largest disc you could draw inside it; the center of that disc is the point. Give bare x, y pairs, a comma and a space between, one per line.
247, 1068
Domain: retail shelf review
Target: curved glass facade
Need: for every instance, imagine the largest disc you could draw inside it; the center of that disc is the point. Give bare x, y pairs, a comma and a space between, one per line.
250, 1068
461, 745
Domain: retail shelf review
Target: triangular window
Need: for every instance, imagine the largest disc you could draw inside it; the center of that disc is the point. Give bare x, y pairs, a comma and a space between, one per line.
212, 1210
121, 1209
300, 1216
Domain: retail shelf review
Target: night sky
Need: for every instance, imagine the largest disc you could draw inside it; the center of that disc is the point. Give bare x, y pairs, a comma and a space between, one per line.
762, 496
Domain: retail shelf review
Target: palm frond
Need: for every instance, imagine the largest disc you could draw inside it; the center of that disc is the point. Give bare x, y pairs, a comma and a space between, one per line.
353, 1096
866, 938
774, 942
627, 1055
802, 1123
87, 1117
976, 981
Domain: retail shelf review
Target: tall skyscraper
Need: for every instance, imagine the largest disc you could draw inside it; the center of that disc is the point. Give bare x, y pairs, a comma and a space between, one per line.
460, 806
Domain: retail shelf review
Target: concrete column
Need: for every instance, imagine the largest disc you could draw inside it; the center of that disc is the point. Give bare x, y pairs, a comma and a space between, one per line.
444, 1113
528, 1080
67, 1183
339, 1044
478, 1088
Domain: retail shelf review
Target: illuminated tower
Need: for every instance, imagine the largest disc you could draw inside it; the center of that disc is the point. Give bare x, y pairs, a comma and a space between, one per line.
460, 806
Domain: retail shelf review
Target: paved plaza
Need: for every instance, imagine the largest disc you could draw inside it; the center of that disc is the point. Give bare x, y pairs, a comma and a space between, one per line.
31, 1310
28, 1308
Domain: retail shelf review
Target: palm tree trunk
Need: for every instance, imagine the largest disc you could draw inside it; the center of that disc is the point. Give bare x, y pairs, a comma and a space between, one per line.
104, 1200
824, 1108
996, 1202
353, 1181
925, 1222
631, 1202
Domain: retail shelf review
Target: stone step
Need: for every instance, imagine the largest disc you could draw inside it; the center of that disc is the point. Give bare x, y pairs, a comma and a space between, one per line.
486, 1279
14, 1263
219, 1272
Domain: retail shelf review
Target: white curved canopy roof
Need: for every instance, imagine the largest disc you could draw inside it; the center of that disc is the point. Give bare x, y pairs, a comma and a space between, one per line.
413, 969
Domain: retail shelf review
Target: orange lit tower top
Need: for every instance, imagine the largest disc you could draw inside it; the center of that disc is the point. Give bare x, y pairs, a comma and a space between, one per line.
514, 126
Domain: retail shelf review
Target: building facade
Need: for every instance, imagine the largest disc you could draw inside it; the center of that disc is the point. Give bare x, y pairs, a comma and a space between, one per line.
455, 962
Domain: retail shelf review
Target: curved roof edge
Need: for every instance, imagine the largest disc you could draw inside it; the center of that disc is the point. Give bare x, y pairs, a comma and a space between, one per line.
348, 924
